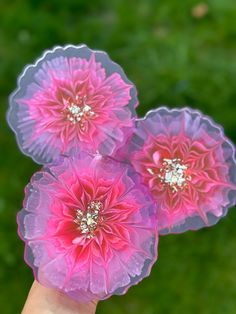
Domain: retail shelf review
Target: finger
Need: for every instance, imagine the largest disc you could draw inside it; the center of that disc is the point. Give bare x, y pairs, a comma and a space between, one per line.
43, 300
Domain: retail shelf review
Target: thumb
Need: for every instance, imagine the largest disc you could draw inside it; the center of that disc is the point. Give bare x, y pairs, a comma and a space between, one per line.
42, 300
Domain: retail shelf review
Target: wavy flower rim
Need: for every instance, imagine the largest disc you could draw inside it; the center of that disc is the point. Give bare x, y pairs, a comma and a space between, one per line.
28, 255
48, 55
195, 223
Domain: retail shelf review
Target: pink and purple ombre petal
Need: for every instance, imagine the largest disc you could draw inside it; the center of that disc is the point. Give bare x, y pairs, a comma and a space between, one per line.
189, 166
89, 226
72, 99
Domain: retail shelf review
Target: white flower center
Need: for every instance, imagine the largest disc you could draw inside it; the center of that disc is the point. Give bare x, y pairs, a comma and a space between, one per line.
173, 173
89, 219
78, 111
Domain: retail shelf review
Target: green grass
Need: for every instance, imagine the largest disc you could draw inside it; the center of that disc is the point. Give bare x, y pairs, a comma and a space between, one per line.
174, 59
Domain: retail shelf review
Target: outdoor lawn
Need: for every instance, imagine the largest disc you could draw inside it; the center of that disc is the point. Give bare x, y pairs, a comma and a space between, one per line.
178, 53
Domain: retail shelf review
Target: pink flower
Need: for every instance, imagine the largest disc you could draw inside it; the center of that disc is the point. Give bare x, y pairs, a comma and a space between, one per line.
89, 227
189, 166
72, 99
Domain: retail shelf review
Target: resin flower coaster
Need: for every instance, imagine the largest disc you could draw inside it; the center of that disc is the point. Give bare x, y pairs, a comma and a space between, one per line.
89, 227
72, 99
90, 224
189, 166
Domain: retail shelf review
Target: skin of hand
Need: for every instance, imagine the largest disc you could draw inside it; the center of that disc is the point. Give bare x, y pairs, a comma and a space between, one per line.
43, 300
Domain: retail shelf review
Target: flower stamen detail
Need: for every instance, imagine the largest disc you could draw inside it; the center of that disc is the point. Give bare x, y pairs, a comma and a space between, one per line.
89, 219
173, 173
79, 111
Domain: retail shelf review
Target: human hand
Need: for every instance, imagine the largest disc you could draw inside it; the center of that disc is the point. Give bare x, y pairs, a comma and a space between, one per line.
43, 300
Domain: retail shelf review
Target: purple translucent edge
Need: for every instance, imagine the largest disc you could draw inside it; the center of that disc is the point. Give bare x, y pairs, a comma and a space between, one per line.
137, 279
32, 68
149, 268
184, 225
119, 291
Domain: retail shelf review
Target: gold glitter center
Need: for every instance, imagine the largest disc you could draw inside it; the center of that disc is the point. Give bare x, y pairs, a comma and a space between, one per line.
78, 111
88, 220
173, 173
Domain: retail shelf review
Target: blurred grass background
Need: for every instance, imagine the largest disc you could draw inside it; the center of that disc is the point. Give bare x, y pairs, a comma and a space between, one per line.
177, 53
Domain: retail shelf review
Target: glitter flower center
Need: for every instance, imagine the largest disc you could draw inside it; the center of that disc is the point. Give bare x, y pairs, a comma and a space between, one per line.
78, 111
89, 219
173, 173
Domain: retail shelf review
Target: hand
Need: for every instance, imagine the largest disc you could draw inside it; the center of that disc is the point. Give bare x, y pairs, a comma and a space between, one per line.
43, 300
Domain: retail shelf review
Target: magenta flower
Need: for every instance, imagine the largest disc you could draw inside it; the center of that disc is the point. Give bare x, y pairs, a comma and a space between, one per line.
89, 227
189, 166
72, 99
